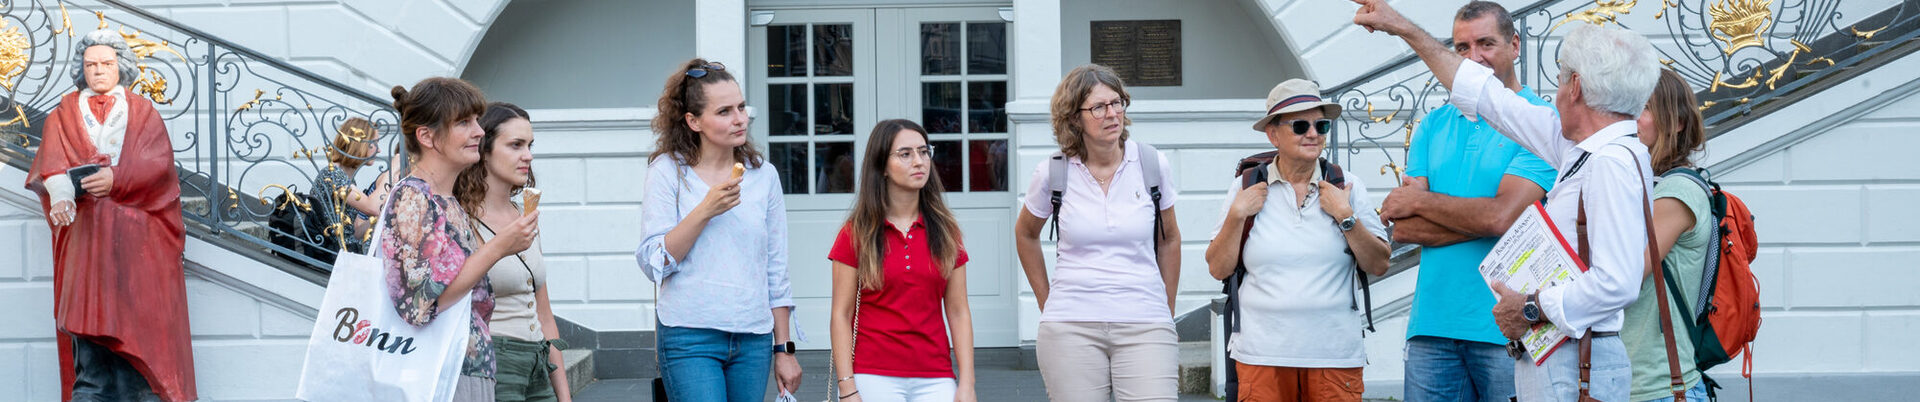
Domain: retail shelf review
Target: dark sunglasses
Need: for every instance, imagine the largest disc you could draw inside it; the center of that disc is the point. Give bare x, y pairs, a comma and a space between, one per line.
701, 71
1324, 126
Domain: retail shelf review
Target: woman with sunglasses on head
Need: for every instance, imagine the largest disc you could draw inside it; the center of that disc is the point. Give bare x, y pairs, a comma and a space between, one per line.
1300, 334
527, 343
898, 266
1106, 321
716, 244
432, 257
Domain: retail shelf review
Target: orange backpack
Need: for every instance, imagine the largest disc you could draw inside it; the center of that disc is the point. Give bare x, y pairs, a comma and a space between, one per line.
1728, 317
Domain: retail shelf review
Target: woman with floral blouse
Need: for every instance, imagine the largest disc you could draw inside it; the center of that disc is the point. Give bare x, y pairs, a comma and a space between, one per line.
431, 256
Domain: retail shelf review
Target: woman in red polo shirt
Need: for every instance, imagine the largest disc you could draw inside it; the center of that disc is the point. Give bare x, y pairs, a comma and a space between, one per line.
901, 252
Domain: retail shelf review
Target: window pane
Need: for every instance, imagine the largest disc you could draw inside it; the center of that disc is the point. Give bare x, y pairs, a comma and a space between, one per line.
987, 107
946, 163
940, 49
987, 160
837, 166
787, 51
986, 48
790, 160
832, 50
833, 108
940, 107
787, 109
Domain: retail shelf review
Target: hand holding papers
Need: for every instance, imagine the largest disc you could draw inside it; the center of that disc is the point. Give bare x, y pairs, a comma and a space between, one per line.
1533, 256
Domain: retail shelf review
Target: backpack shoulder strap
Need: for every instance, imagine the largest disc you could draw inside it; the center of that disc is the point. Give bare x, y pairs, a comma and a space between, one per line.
1056, 188
1150, 172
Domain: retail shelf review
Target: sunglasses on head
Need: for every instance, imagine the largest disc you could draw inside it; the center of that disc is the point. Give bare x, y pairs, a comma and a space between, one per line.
701, 71
1323, 126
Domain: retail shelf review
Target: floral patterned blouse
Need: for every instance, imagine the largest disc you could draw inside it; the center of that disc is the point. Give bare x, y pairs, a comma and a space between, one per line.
426, 242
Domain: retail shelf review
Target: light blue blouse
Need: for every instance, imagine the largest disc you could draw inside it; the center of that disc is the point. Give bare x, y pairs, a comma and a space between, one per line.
736, 272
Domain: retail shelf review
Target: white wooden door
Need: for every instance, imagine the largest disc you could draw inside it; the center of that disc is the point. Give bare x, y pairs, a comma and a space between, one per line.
821, 78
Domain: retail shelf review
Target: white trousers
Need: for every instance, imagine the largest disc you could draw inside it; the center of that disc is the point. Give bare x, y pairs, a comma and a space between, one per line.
878, 388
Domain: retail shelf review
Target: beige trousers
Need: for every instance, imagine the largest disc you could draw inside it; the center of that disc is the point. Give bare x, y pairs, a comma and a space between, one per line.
1094, 361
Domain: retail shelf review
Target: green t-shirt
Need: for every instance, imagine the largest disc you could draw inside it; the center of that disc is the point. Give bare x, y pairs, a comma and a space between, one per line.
1645, 345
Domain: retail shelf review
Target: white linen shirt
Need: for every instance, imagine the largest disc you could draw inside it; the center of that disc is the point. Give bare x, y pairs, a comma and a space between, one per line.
736, 272
1610, 180
1297, 303
1106, 271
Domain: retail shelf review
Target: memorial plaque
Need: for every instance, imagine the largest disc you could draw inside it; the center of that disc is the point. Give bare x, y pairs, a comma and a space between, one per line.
1144, 52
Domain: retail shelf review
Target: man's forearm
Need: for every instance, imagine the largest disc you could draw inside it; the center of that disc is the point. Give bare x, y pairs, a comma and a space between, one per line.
1422, 231
1441, 60
1465, 215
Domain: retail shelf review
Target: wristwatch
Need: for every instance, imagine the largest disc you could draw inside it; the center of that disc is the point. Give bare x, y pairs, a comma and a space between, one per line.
1347, 224
1531, 311
787, 348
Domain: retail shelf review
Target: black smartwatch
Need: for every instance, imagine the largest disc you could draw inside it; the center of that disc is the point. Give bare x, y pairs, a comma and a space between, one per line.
787, 348
1531, 311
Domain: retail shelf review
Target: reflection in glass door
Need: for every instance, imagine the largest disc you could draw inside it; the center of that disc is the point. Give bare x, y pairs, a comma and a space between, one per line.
814, 95
963, 97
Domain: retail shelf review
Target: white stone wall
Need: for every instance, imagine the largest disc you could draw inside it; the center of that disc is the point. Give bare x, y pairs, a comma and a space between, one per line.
367, 44
591, 166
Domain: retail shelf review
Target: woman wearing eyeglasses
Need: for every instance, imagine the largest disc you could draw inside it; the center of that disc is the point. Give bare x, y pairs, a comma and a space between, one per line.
716, 243
899, 267
1106, 321
1299, 336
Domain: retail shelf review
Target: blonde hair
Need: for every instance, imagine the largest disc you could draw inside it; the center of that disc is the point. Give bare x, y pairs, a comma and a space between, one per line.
352, 145
1074, 89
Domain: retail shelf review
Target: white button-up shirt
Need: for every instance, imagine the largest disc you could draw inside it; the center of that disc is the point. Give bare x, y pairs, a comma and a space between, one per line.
1611, 181
736, 272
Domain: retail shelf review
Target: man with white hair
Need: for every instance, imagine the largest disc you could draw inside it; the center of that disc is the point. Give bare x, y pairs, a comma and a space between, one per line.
1606, 77
107, 183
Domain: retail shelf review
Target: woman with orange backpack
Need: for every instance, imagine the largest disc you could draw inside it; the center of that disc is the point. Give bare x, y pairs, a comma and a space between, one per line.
1683, 229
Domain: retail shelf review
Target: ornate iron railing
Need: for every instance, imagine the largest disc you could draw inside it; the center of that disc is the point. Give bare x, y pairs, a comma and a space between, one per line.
1738, 55
246, 128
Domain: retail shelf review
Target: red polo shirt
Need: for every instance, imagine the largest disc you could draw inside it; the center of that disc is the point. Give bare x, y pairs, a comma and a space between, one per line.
902, 327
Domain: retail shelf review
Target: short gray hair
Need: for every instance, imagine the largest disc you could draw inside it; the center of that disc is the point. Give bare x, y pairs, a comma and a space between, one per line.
1618, 68
108, 38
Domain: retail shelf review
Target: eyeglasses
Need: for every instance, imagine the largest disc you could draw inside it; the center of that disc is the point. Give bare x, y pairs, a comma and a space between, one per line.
1105, 109
701, 71
1322, 126
909, 153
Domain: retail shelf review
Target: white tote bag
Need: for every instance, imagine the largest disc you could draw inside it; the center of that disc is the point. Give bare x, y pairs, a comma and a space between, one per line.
361, 350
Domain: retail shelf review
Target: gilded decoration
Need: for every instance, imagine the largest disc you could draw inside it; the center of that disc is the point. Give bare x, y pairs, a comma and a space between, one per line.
13, 54
1602, 13
1740, 23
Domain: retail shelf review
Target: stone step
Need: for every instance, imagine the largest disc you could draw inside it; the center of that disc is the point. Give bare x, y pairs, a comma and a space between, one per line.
1196, 367
579, 368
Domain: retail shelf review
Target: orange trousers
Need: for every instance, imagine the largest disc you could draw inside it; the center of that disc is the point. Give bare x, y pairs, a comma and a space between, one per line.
1289, 384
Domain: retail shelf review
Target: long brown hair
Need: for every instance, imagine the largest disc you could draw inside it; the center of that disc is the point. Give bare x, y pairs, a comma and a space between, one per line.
1677, 121
435, 103
471, 187
869, 216
1073, 90
678, 141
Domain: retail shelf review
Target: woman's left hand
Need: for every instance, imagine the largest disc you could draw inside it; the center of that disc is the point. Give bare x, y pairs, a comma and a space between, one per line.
786, 370
964, 394
1333, 200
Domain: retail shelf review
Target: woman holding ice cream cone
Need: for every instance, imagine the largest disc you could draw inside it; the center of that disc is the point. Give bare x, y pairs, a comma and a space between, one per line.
527, 343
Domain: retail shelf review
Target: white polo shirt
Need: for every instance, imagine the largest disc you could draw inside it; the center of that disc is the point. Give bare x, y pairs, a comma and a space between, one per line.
1106, 270
1297, 303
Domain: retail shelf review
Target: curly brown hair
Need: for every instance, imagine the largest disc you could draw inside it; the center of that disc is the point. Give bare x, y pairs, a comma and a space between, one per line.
679, 98
1073, 90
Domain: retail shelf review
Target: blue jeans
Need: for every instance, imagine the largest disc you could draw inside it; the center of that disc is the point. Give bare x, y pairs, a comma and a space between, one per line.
1696, 394
1558, 378
704, 365
1443, 369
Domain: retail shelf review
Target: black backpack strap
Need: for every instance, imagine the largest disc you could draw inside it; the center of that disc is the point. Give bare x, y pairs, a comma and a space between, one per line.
1334, 174
1150, 173
1056, 189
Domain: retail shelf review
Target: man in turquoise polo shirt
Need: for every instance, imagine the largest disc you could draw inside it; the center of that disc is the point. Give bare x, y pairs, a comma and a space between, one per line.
1466, 185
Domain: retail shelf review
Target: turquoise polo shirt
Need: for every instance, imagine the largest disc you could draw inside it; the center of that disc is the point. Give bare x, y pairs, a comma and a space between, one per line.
1463, 158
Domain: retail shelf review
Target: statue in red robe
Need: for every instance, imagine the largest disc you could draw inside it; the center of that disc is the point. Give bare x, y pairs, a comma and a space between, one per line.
120, 304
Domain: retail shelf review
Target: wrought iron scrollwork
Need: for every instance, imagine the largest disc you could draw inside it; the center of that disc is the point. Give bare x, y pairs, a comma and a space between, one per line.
238, 119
